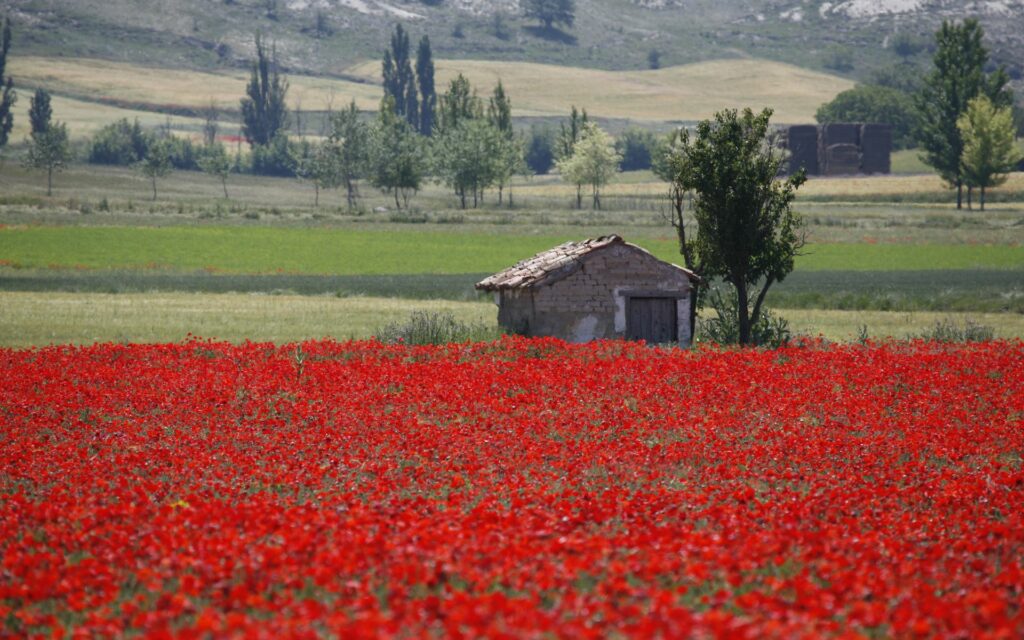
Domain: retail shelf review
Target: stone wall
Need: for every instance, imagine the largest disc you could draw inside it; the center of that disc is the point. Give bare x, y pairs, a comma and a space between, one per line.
590, 303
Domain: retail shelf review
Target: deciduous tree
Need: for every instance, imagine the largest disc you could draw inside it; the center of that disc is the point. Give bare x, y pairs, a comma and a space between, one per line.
747, 231
594, 161
156, 163
550, 12
352, 137
958, 77
398, 158
990, 151
214, 160
49, 151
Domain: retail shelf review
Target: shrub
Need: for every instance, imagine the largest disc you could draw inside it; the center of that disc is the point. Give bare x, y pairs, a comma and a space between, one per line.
275, 159
119, 143
948, 330
768, 330
425, 327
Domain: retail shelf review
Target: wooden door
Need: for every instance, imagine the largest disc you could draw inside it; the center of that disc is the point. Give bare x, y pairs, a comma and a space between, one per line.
653, 320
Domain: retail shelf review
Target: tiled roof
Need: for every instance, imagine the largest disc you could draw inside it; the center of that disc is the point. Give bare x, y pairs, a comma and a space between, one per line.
554, 264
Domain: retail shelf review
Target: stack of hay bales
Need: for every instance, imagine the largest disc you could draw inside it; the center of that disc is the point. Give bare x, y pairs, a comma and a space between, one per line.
802, 142
875, 148
839, 149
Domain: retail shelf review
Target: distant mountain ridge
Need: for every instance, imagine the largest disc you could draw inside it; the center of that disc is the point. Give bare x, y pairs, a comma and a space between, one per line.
328, 36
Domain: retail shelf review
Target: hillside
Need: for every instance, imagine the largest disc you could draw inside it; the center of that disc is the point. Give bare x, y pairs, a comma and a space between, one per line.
687, 92
608, 34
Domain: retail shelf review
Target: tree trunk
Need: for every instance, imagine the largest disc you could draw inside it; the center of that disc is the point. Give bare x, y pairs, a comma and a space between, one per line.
743, 312
462, 198
316, 198
154, 188
959, 194
398, 205
224, 183
501, 189
970, 197
349, 195
49, 181
982, 197
579, 196
597, 198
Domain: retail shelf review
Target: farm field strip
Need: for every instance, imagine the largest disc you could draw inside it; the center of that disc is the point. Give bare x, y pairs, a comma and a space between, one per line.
523, 488
687, 92
42, 318
423, 250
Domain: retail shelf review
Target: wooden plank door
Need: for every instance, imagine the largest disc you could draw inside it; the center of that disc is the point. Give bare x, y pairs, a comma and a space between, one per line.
653, 320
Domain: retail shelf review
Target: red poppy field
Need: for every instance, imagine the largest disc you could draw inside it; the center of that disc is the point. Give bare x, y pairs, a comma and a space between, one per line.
516, 489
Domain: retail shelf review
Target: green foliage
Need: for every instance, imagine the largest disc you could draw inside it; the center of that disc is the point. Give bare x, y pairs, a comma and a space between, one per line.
594, 161
398, 157
550, 12
636, 147
459, 103
958, 77
399, 81
540, 150
120, 143
904, 77
653, 59
766, 329
40, 111
467, 158
214, 160
351, 136
868, 103
279, 158
156, 163
949, 330
839, 59
321, 166
747, 231
906, 45
990, 150
49, 152
425, 81
569, 134
426, 327
264, 109
499, 111
7, 94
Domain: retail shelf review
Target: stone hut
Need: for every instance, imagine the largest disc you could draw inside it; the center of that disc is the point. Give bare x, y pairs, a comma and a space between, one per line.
599, 288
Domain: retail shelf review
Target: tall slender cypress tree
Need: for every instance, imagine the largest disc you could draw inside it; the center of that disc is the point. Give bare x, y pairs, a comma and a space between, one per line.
40, 112
264, 111
398, 77
7, 94
425, 80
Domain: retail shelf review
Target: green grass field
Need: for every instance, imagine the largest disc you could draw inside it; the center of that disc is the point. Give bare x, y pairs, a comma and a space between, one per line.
37, 319
419, 250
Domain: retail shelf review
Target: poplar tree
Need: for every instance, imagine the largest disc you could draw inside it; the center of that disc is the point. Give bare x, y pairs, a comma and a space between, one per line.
40, 112
50, 150
398, 162
7, 94
264, 111
509, 150
568, 136
990, 151
594, 161
425, 80
459, 103
958, 77
399, 81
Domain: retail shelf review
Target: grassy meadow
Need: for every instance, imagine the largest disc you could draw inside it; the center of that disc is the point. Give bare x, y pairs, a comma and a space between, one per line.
36, 319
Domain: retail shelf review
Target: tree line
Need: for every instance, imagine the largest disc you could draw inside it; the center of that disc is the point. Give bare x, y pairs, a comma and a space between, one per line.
960, 114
